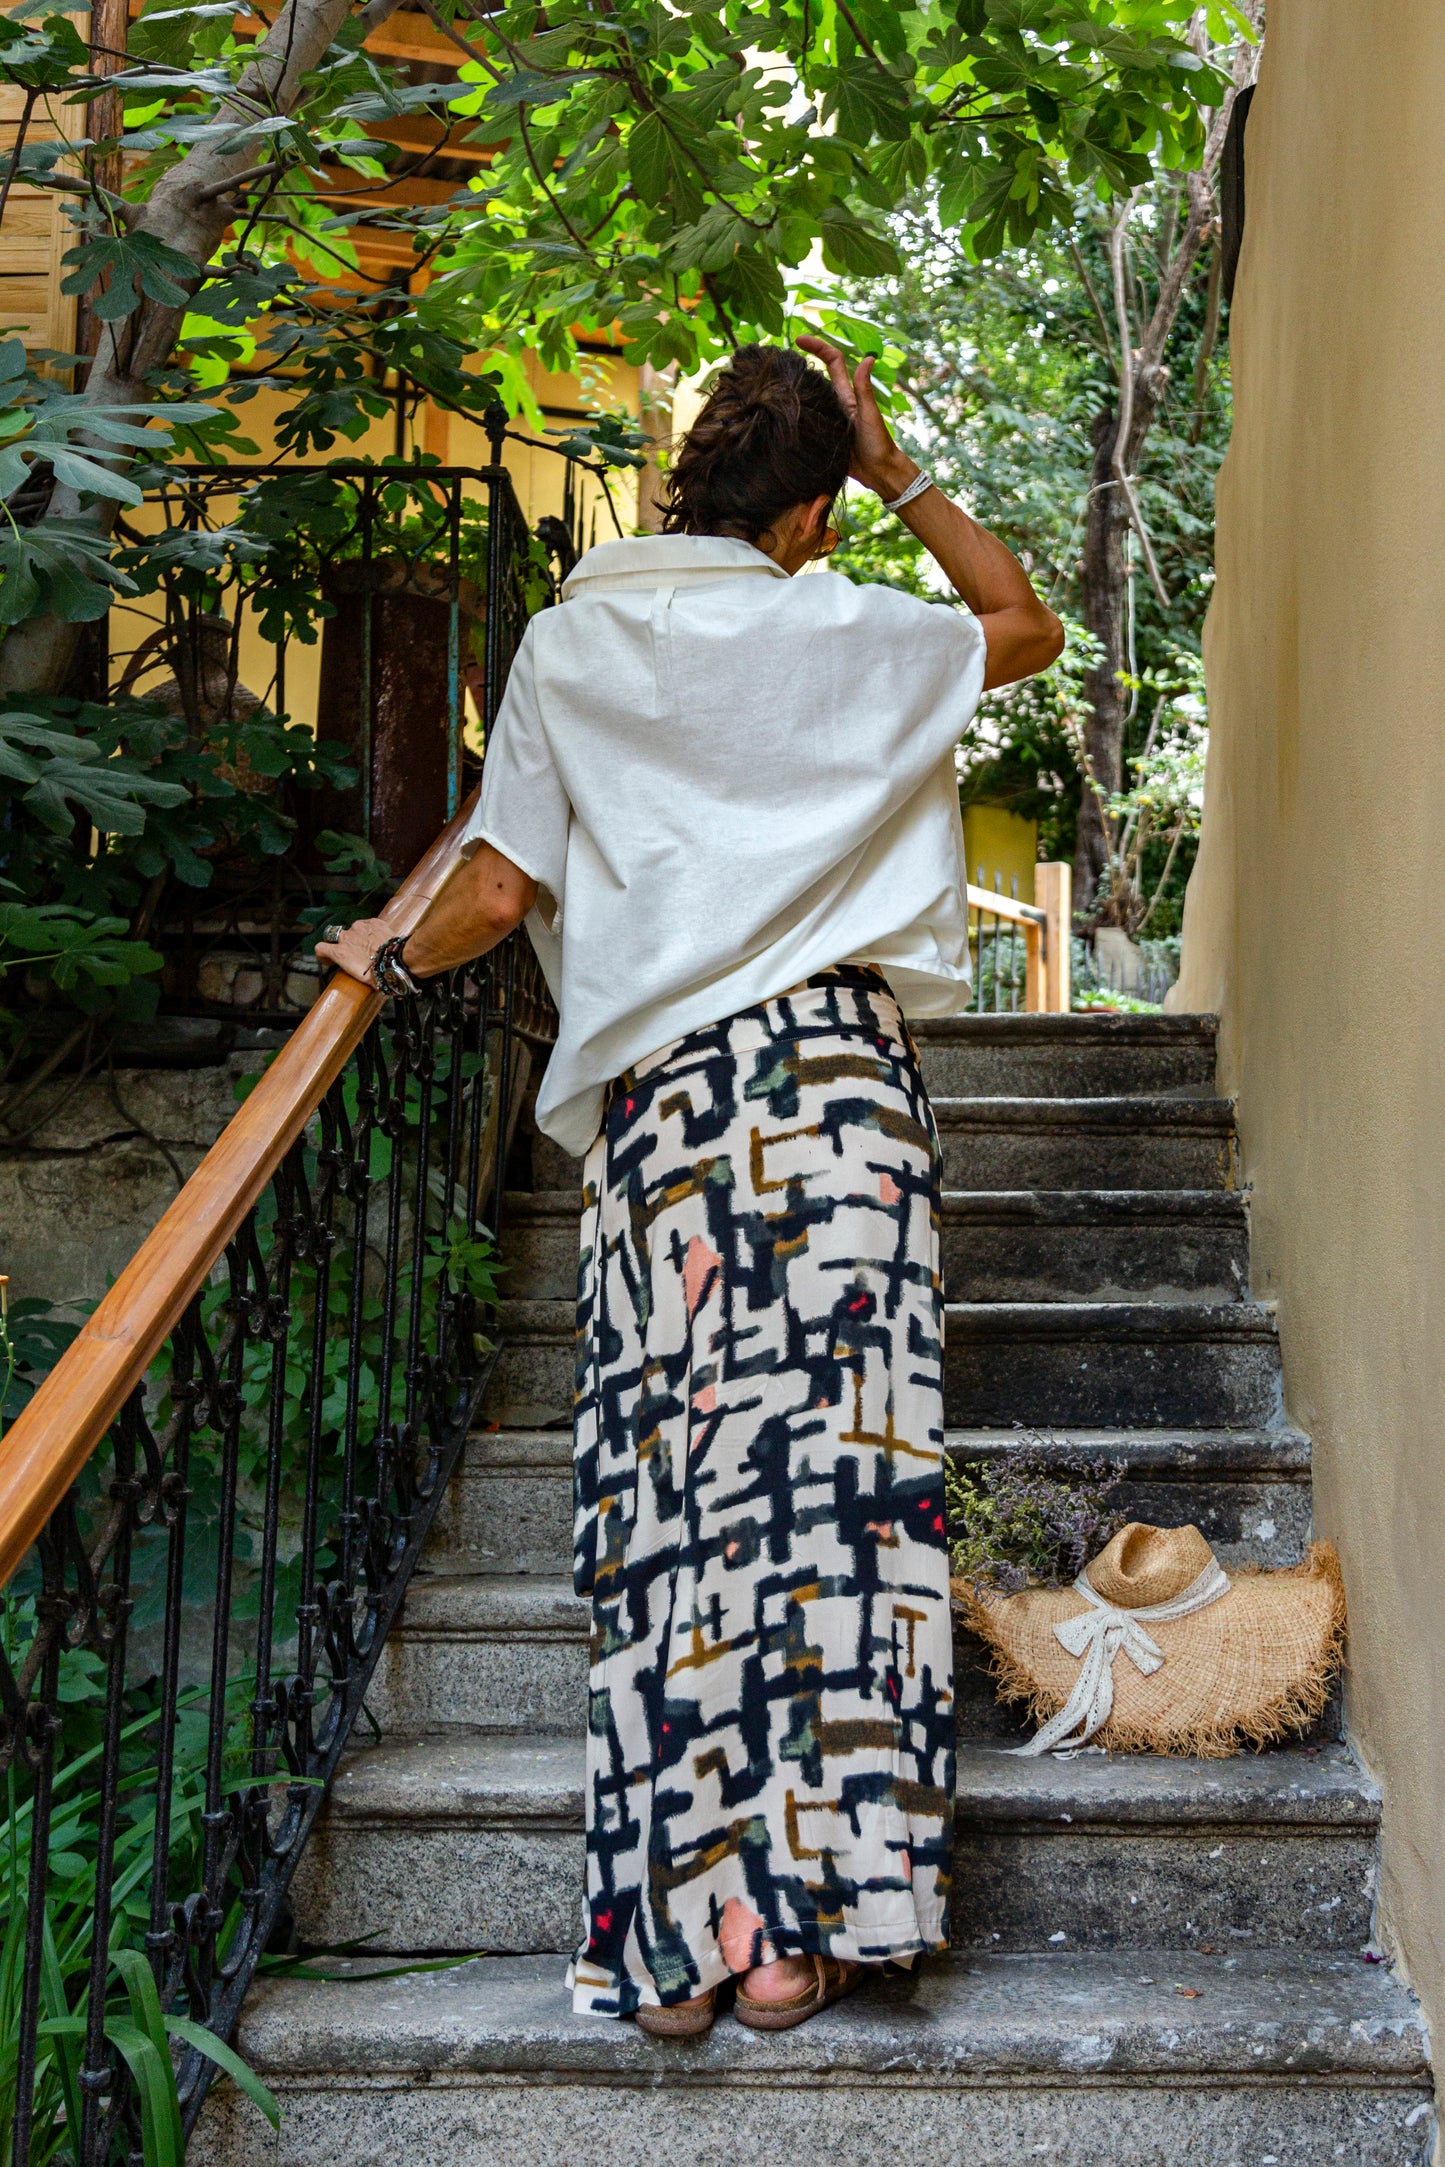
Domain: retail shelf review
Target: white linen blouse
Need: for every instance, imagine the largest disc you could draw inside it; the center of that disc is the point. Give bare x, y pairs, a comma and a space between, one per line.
723, 779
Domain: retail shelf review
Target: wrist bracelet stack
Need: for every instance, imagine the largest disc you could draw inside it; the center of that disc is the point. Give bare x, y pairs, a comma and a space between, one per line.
916, 487
389, 972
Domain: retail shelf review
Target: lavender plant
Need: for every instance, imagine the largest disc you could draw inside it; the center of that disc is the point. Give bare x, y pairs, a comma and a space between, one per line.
1032, 1518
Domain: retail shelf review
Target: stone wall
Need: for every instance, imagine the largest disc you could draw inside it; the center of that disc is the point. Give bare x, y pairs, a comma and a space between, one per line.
99, 1163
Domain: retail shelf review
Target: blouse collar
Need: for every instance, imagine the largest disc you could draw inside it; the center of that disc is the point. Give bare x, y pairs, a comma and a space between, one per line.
658, 560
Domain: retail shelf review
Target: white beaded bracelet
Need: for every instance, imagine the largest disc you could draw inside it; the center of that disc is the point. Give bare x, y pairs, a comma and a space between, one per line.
916, 487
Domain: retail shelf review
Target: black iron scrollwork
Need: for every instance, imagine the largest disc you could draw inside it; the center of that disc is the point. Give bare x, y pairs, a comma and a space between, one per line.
191, 1642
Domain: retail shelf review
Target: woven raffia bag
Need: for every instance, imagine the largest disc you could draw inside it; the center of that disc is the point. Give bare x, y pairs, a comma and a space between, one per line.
1156, 1649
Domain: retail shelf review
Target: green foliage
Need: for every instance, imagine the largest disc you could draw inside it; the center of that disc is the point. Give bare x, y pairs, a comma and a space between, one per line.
126, 268
40, 57
32, 1340
665, 173
1160, 814
173, 786
166, 801
73, 944
137, 2029
454, 1260
1000, 375
665, 170
1117, 1004
42, 421
60, 768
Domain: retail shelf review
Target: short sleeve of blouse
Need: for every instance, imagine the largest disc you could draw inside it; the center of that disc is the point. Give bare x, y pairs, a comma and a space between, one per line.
933, 656
523, 810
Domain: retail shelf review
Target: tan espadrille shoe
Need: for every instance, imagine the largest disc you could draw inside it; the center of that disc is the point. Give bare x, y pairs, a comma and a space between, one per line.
831, 1981
679, 2019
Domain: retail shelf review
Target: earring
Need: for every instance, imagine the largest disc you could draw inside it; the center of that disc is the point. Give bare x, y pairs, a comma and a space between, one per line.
828, 544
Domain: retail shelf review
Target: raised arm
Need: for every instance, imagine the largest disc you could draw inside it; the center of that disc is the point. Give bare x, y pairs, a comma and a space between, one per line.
1021, 633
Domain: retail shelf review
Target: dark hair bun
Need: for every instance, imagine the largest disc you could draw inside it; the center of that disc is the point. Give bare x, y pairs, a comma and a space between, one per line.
772, 434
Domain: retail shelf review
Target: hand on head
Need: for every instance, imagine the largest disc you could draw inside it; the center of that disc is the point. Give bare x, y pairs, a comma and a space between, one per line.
877, 461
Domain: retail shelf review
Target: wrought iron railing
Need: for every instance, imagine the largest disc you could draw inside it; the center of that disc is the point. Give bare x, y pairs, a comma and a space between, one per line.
225, 1565
212, 1506
376, 607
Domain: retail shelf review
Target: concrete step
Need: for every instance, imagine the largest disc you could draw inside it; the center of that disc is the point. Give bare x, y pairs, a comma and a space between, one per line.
985, 2061
476, 1651
1112, 1851
508, 1652
458, 1840
551, 1166
474, 1841
1008, 1245
1212, 1365
1039, 1057
531, 1386
1248, 1490
509, 1506
1101, 1245
541, 1241
1134, 1141
1067, 1056
1086, 1143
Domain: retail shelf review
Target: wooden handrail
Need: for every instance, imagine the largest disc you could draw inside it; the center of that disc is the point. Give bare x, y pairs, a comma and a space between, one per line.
1047, 925
1003, 906
50, 1441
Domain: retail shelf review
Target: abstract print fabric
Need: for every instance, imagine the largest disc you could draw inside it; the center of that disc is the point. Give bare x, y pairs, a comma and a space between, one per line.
760, 1515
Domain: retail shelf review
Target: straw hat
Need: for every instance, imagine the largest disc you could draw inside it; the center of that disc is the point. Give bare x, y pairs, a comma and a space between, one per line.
1156, 1649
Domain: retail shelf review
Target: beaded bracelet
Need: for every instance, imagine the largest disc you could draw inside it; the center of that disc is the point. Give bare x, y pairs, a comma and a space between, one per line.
390, 973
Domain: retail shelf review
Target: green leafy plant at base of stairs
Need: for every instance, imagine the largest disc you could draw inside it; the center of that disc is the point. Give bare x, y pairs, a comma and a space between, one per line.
137, 2029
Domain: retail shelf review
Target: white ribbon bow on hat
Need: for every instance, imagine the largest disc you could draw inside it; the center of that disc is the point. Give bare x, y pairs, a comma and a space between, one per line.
1098, 1634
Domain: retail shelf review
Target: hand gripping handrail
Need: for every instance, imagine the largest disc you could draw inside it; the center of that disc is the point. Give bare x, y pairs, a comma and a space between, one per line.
45, 1448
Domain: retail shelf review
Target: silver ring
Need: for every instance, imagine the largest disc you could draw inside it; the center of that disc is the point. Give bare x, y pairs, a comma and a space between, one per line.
333, 933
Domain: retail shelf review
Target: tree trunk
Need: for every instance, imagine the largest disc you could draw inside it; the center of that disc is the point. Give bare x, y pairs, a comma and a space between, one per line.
1105, 600
1104, 596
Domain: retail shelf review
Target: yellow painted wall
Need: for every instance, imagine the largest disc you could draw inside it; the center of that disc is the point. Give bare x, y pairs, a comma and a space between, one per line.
539, 477
1315, 920
1004, 845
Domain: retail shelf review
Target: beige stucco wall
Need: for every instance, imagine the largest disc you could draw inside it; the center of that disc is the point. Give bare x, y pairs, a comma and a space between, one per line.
1316, 917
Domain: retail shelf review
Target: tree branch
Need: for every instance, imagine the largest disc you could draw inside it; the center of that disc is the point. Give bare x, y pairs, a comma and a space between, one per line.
375, 13
218, 189
1094, 302
547, 189
1207, 338
853, 24
1125, 426
723, 316
435, 16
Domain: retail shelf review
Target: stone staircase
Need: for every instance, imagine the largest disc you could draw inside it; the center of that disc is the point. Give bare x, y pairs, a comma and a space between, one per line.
1155, 1960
